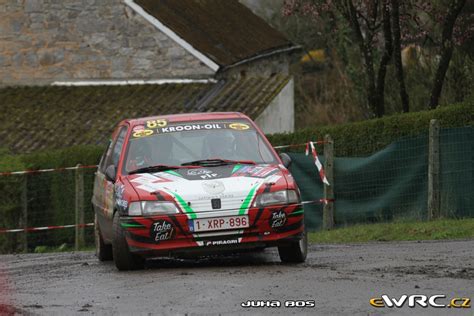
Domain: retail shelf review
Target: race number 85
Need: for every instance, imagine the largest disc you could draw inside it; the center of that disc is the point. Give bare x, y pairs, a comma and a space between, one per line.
156, 123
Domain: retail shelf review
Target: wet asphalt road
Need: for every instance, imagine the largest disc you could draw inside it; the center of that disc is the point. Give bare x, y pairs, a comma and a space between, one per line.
339, 278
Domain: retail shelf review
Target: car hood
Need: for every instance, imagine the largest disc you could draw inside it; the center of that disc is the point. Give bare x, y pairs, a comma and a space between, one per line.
235, 185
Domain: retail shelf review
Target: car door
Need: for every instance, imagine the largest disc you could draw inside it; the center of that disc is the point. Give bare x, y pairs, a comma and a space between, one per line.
104, 189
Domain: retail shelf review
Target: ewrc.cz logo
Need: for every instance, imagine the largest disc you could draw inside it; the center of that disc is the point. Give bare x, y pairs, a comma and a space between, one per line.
421, 300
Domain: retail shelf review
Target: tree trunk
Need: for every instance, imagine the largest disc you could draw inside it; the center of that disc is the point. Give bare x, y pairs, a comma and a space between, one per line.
387, 55
447, 47
366, 50
397, 55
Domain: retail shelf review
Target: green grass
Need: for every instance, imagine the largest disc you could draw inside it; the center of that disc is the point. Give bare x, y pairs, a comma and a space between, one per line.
404, 230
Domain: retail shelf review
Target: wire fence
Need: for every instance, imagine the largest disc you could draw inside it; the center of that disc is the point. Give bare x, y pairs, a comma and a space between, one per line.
412, 179
423, 177
46, 200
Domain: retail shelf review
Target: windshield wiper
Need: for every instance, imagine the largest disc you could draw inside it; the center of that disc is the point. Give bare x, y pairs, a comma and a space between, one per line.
217, 162
156, 168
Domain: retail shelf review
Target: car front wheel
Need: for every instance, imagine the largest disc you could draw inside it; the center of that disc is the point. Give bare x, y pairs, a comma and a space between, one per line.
295, 252
123, 258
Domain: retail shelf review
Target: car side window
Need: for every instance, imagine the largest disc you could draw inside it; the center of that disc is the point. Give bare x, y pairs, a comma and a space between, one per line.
102, 164
113, 155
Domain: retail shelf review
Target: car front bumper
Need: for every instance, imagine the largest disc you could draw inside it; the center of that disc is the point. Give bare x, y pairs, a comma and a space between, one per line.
165, 235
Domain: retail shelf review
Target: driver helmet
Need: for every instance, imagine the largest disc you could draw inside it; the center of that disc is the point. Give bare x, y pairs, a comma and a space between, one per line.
140, 156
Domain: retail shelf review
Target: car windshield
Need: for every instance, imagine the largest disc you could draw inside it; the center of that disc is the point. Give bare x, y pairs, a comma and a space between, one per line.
174, 144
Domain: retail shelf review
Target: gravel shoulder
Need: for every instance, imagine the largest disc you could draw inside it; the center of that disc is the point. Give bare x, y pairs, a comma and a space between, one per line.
339, 278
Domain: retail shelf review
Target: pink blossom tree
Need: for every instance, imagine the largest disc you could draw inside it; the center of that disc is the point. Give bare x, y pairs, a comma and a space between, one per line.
380, 29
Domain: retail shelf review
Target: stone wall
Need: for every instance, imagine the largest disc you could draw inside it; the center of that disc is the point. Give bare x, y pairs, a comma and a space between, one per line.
48, 40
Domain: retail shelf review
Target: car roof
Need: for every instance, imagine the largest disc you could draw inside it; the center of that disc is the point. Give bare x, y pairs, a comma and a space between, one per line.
188, 117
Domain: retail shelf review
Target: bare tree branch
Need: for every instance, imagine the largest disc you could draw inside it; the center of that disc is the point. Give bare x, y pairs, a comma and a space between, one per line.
397, 55
447, 47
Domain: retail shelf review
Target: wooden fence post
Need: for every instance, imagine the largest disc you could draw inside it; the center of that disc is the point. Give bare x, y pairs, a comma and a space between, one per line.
433, 172
328, 210
24, 214
79, 180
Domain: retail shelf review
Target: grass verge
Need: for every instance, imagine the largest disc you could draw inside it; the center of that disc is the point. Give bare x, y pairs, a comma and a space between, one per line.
405, 230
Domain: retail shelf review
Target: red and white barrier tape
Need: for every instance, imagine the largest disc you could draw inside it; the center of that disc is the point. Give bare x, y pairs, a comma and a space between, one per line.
317, 162
32, 229
322, 201
46, 170
319, 142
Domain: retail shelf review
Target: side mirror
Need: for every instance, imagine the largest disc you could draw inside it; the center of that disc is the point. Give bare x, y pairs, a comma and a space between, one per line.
110, 173
286, 159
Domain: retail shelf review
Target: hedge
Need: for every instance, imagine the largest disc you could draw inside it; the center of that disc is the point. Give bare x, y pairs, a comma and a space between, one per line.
68, 157
364, 138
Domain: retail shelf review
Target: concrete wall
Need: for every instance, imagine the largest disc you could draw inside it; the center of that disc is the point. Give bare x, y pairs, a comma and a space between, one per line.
47, 40
274, 64
279, 116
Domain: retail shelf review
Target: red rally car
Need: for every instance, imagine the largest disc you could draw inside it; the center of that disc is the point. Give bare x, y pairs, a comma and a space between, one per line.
194, 184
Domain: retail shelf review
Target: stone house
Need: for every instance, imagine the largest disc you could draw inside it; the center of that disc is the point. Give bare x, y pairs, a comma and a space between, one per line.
217, 47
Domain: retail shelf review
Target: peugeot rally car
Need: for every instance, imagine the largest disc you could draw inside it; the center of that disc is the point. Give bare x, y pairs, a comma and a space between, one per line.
194, 184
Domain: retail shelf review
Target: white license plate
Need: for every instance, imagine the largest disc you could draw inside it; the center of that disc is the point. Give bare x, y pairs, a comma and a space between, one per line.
219, 223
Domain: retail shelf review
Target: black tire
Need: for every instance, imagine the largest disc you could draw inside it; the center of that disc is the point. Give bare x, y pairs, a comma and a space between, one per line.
102, 250
295, 252
123, 258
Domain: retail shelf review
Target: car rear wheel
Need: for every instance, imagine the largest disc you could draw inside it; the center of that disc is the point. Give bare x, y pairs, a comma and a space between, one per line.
295, 252
102, 250
123, 258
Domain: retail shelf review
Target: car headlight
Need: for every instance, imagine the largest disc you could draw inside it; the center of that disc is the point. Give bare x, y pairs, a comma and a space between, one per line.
151, 208
277, 198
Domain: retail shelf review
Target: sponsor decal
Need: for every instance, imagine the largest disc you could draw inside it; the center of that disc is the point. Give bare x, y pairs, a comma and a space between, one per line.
256, 171
213, 187
119, 200
219, 196
191, 127
278, 219
202, 173
142, 133
162, 230
156, 123
209, 176
419, 300
278, 304
239, 126
221, 242
162, 126
198, 172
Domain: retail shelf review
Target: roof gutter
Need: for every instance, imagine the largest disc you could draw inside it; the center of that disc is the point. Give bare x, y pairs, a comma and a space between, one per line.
80, 83
263, 55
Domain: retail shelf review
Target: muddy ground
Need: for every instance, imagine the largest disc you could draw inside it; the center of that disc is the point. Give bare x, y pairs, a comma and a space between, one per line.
339, 278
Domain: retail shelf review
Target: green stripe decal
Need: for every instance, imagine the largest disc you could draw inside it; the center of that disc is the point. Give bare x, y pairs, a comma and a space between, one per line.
236, 168
184, 205
297, 213
245, 205
174, 173
131, 225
